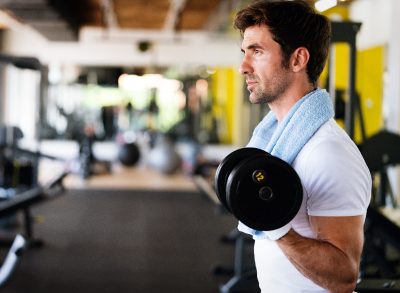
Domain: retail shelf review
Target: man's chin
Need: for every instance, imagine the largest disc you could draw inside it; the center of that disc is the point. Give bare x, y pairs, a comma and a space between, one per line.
254, 99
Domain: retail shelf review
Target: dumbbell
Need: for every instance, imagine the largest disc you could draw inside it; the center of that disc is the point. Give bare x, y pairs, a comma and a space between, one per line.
260, 190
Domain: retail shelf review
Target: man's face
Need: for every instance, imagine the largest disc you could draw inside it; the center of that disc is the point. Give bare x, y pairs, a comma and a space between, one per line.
262, 65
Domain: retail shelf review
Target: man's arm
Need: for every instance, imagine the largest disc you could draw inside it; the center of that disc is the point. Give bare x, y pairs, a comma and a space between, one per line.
332, 260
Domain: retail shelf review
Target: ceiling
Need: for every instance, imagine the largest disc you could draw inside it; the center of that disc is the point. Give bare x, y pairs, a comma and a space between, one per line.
60, 20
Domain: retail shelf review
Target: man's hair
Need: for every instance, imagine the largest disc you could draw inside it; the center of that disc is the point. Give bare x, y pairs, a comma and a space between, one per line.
293, 24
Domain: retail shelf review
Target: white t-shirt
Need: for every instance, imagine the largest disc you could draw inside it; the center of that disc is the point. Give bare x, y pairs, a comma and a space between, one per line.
336, 182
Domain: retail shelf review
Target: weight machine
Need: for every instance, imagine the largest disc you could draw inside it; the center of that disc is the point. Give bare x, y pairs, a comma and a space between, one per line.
380, 265
22, 202
19, 167
19, 184
346, 32
379, 151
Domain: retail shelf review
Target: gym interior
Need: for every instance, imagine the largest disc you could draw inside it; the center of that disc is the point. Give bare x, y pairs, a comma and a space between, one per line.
114, 118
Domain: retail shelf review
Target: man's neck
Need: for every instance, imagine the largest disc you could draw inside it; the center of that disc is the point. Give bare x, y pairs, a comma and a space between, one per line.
281, 106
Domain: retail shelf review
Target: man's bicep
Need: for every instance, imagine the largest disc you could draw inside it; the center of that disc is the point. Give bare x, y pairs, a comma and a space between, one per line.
345, 233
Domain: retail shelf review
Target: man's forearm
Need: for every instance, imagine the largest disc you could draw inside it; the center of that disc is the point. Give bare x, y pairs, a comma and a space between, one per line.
320, 261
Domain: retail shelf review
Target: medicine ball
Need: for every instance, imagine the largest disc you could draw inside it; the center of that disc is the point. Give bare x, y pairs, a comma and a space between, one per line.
129, 154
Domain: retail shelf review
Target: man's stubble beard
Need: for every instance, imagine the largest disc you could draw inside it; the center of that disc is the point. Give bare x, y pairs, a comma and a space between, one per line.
282, 80
265, 96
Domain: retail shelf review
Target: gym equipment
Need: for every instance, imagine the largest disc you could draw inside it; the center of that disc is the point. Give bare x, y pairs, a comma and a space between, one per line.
262, 191
21, 62
129, 154
379, 268
225, 167
378, 285
11, 259
108, 118
17, 166
346, 32
22, 201
163, 157
17, 173
380, 152
25, 199
9, 135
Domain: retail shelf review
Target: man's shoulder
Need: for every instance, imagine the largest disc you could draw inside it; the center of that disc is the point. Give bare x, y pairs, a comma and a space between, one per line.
330, 138
334, 174
330, 151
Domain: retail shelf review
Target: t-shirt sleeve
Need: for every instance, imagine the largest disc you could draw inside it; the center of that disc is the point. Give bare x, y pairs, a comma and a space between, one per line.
337, 181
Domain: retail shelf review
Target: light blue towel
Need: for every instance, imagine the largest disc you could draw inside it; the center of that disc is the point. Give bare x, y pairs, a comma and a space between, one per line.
285, 139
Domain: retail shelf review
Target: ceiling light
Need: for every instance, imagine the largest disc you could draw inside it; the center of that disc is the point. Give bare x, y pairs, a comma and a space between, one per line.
322, 5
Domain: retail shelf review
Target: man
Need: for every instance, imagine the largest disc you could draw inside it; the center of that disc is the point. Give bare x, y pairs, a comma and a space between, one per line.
285, 46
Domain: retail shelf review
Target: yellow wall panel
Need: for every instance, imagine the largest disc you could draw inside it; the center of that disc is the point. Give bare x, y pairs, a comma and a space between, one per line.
370, 70
222, 91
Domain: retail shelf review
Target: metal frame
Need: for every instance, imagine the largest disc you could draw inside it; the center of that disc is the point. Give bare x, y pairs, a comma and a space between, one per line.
346, 32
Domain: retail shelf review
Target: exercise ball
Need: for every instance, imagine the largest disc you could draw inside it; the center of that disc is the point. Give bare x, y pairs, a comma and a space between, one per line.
163, 157
129, 154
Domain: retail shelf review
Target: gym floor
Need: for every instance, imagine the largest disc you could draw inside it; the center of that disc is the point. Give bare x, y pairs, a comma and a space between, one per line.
101, 236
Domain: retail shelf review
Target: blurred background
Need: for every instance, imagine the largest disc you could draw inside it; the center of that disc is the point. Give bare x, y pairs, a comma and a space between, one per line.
121, 110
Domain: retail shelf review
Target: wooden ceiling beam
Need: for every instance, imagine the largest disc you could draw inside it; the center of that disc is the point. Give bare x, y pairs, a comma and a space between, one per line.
196, 14
174, 14
141, 13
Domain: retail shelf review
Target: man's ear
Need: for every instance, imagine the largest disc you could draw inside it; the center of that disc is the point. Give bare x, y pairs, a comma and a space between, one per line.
299, 59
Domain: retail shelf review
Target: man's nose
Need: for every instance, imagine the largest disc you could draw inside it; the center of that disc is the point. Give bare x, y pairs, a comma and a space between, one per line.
245, 66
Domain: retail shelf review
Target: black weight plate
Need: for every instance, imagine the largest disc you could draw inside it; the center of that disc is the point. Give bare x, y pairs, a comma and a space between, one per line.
227, 165
243, 193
